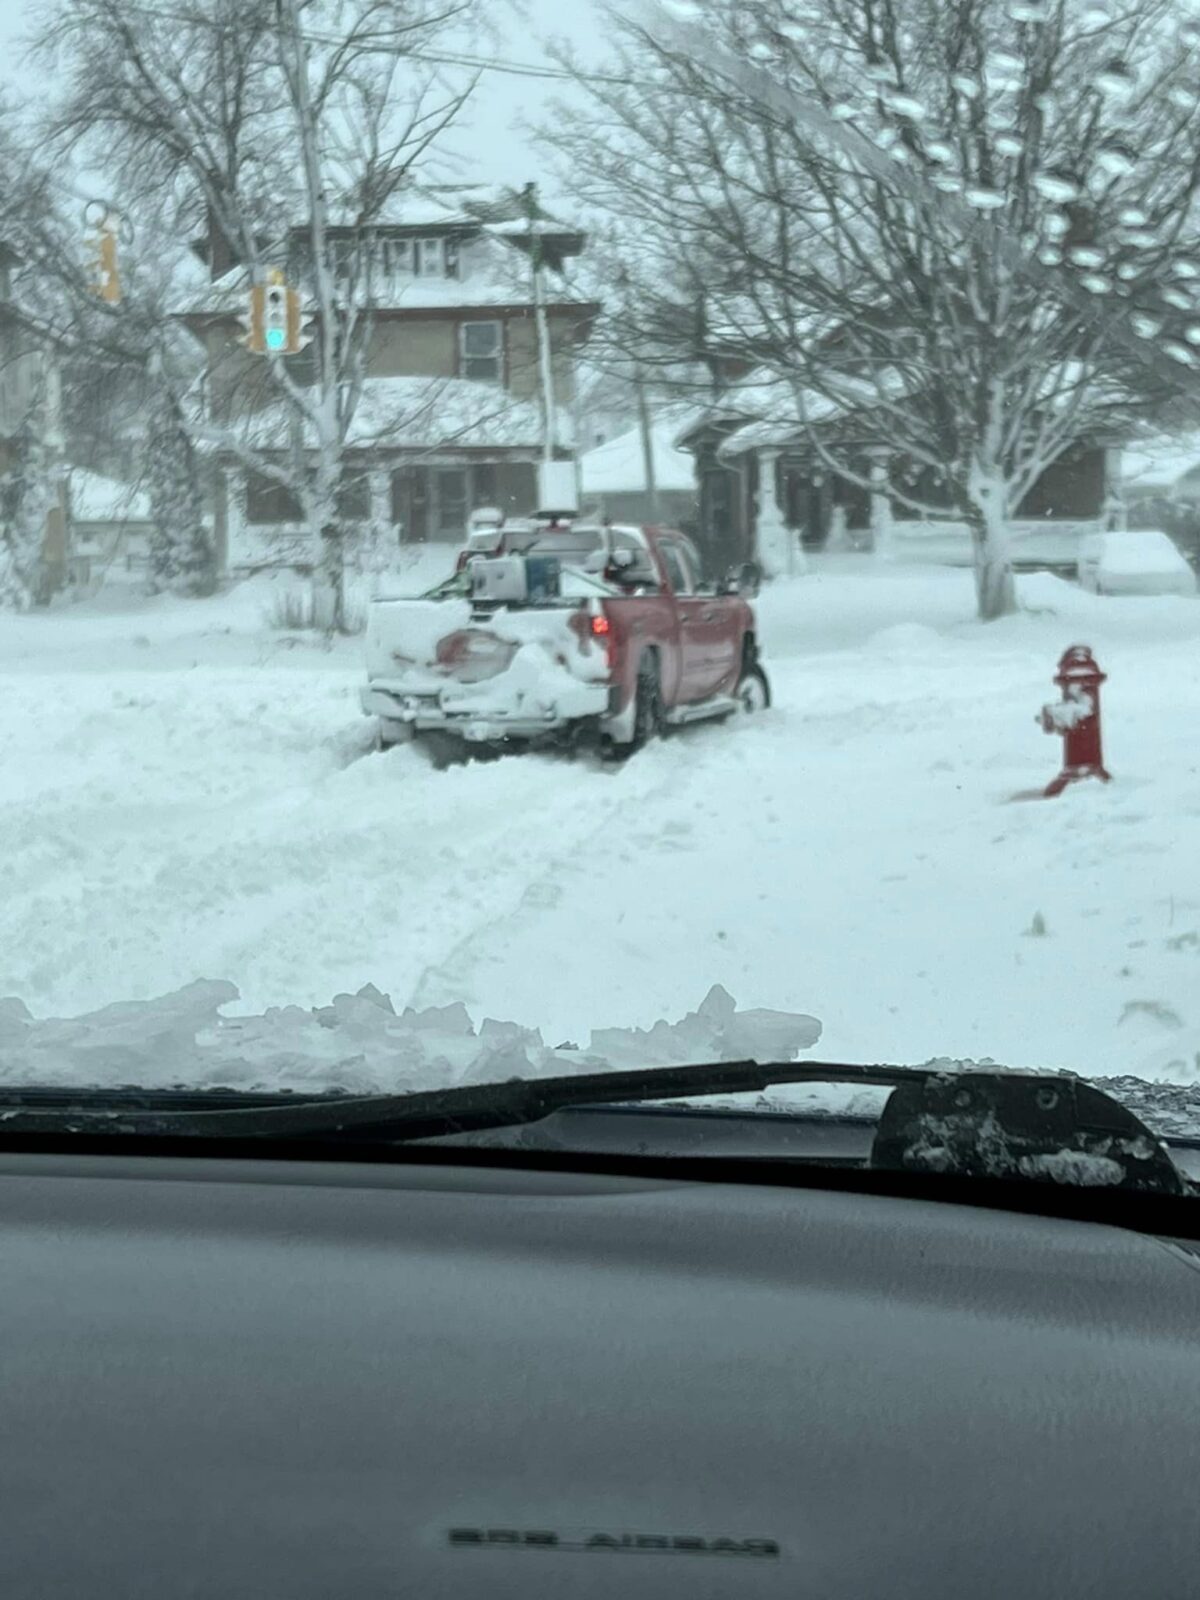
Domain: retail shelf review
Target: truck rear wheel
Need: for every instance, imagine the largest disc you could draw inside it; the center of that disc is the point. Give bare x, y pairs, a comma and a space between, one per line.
390, 732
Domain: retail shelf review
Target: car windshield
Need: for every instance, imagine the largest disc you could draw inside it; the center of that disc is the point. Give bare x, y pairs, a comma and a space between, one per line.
617, 535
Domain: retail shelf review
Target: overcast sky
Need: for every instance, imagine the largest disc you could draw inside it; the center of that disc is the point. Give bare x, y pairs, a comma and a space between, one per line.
489, 143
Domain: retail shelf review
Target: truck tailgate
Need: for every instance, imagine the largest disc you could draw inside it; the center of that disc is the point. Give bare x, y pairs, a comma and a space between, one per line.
439, 662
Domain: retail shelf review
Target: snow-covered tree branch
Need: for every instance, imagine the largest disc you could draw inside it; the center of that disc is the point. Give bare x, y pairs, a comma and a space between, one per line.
980, 217
277, 133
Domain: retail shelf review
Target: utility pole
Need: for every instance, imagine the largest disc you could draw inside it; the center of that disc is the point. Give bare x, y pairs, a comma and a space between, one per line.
545, 365
645, 429
647, 433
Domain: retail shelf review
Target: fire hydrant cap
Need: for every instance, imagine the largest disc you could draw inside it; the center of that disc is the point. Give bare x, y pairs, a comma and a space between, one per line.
1079, 665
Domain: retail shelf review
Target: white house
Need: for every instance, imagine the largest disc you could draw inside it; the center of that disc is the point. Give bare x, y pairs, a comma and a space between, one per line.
110, 526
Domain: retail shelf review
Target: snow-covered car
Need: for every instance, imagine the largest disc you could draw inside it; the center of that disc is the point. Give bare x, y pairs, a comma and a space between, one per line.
1137, 561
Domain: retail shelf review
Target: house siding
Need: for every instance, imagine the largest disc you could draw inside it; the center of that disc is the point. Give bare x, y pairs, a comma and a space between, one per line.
408, 348
403, 347
524, 379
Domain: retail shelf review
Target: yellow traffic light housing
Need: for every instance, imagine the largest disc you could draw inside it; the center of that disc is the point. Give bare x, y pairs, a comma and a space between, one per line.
251, 320
105, 274
275, 314
273, 320
297, 325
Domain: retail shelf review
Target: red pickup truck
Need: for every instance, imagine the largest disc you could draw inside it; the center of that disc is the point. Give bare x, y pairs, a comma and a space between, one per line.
606, 631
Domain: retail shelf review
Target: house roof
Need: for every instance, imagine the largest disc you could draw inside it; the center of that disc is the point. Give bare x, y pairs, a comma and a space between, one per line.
477, 210
417, 413
96, 498
618, 467
768, 410
406, 209
1160, 461
493, 278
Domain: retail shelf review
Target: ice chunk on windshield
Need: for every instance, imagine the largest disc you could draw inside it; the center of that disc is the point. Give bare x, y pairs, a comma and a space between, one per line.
357, 1044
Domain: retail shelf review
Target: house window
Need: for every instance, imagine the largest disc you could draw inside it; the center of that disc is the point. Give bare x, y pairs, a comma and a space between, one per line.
410, 504
429, 258
354, 497
452, 503
483, 484
269, 503
397, 257
481, 351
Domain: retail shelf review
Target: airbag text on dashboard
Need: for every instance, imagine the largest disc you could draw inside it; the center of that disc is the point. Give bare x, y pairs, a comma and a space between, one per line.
587, 1540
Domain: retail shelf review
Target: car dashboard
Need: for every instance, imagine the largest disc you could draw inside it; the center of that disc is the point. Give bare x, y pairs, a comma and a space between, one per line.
295, 1380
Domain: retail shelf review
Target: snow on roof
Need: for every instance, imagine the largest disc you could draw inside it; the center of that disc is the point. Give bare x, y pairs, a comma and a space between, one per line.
454, 205
617, 466
404, 209
777, 411
418, 414
773, 408
504, 283
1159, 462
95, 498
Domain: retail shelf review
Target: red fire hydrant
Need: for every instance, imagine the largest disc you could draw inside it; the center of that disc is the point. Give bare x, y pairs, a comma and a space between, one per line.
1077, 718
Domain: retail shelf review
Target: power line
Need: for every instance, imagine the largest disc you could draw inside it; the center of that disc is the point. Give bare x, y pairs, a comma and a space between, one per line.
382, 46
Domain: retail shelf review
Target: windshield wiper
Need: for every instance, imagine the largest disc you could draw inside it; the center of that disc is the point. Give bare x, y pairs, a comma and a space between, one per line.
1037, 1127
424, 1114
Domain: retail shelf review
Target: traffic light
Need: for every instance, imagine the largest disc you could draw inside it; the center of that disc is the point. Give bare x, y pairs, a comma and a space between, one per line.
105, 277
275, 315
273, 321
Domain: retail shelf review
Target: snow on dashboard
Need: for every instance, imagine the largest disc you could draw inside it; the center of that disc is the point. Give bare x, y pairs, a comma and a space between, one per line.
358, 1044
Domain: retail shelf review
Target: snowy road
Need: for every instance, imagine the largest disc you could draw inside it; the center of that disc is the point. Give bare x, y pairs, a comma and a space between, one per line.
180, 797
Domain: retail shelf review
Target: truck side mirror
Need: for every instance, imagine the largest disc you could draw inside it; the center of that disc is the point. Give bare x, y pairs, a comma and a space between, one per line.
744, 580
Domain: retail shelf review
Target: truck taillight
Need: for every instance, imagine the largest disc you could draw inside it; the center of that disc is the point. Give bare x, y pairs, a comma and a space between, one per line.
587, 625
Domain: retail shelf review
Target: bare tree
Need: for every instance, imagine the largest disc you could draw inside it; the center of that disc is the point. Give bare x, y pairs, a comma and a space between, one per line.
248, 121
121, 370
970, 224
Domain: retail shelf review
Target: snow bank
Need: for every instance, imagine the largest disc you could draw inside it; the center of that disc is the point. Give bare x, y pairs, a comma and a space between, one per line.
357, 1044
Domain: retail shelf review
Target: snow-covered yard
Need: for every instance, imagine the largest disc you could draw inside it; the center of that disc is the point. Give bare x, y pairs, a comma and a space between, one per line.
186, 793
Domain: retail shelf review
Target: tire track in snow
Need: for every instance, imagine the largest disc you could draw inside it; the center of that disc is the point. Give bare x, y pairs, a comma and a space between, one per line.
674, 767
640, 780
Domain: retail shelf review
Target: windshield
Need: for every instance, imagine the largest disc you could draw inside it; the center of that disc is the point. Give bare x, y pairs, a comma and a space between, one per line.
855, 682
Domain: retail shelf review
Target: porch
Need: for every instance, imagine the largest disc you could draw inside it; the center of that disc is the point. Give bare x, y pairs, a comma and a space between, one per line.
778, 503
385, 503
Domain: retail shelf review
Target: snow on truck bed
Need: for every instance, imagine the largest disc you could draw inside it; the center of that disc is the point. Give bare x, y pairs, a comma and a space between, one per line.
551, 672
185, 794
